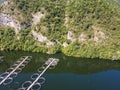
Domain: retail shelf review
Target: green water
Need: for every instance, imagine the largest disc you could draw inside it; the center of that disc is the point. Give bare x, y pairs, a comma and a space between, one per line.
70, 74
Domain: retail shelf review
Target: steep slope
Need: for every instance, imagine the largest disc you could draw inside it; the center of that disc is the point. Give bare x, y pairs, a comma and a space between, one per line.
82, 28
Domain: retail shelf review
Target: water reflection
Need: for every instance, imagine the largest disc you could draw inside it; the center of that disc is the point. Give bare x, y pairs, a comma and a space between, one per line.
66, 64
70, 73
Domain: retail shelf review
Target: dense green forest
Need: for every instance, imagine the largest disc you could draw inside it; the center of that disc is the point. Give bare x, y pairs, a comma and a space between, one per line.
95, 27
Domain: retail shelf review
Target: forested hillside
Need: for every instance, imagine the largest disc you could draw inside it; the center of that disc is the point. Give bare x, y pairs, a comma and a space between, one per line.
81, 28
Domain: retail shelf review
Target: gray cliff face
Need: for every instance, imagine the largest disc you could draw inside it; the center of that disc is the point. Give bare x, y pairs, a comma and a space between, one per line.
1, 1
7, 20
39, 37
9, 16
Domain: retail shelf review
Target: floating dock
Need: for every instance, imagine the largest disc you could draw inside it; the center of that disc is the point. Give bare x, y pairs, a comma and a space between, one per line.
7, 77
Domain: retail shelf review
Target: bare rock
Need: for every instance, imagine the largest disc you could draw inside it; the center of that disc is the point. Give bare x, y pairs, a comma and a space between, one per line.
39, 37
82, 37
7, 20
65, 44
98, 34
70, 36
36, 17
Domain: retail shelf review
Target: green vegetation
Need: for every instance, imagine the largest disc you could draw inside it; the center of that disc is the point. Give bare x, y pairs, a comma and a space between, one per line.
61, 16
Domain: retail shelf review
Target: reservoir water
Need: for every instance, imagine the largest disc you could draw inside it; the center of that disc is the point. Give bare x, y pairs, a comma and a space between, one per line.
70, 73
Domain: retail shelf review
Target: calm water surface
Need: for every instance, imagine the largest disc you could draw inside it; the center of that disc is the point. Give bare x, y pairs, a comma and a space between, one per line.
70, 74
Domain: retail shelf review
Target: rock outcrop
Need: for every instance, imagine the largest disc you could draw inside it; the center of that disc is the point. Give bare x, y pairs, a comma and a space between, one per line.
7, 20
98, 34
82, 37
37, 17
65, 44
70, 36
10, 16
39, 37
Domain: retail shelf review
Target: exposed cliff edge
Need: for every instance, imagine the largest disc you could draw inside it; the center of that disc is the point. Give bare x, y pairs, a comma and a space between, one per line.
10, 16
81, 28
7, 20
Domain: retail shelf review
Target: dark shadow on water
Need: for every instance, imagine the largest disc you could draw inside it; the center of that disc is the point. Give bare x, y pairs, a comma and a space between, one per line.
66, 64
70, 73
